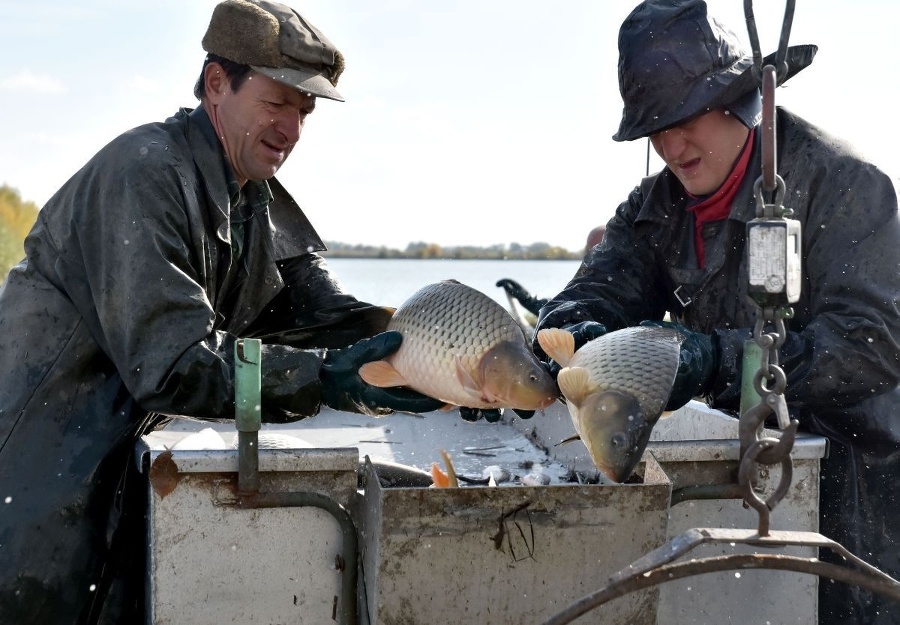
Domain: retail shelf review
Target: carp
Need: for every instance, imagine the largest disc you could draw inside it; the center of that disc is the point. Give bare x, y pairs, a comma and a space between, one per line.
616, 388
463, 348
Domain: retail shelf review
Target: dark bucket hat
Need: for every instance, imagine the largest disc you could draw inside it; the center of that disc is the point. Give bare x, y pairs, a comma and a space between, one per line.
276, 41
676, 62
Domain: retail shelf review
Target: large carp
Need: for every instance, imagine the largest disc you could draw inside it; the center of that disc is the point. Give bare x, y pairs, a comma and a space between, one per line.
616, 388
465, 349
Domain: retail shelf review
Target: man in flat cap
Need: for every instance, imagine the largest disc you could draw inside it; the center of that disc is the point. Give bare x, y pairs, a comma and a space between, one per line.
140, 273
677, 245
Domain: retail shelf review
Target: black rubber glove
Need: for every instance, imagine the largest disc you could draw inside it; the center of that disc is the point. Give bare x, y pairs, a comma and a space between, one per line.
698, 363
343, 388
531, 303
491, 415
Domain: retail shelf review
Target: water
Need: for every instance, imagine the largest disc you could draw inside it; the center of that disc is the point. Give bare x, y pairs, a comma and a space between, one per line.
388, 282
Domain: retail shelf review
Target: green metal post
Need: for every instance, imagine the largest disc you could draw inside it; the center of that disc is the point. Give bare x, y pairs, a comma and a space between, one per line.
247, 410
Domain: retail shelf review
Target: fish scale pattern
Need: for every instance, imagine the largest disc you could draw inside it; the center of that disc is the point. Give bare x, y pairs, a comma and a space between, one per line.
446, 323
640, 361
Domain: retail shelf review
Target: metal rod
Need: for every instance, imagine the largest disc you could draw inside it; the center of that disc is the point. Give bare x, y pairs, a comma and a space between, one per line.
768, 143
350, 552
657, 566
248, 421
679, 570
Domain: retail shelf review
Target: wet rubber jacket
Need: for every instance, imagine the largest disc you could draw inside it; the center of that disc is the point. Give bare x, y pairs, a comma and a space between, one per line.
842, 355
118, 315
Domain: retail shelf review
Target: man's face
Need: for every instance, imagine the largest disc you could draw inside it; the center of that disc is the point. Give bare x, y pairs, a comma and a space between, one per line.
702, 151
259, 125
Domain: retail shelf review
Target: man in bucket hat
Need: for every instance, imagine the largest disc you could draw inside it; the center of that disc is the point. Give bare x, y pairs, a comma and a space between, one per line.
677, 246
140, 273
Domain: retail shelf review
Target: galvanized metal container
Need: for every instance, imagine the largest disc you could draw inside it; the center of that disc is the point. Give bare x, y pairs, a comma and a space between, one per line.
212, 563
506, 555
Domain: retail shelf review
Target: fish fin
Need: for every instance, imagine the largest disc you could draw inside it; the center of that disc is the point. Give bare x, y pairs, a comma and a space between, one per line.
666, 414
571, 439
438, 477
464, 377
558, 344
574, 382
381, 373
451, 471
448, 407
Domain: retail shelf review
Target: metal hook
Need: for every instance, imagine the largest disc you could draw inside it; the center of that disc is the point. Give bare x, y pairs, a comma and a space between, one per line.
781, 54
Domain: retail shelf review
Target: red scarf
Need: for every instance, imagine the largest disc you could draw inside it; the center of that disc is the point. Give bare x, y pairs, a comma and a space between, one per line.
718, 205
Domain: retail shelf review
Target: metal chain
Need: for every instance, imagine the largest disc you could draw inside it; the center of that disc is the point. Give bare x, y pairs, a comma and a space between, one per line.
770, 380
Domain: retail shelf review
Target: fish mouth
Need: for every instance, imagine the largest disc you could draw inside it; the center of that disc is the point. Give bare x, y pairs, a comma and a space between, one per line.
515, 378
523, 399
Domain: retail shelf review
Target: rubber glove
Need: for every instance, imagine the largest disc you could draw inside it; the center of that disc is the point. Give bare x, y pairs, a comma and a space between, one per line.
343, 388
491, 415
531, 303
698, 363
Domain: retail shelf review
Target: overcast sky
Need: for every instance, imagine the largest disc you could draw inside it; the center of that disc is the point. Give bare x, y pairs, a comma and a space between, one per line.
467, 122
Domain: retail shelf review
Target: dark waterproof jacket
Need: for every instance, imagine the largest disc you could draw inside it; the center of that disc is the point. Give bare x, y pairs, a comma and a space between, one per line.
842, 355
117, 315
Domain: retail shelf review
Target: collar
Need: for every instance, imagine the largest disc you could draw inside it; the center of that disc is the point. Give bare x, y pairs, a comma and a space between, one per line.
717, 206
254, 195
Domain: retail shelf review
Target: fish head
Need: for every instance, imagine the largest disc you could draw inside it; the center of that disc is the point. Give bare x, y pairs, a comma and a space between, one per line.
616, 430
514, 378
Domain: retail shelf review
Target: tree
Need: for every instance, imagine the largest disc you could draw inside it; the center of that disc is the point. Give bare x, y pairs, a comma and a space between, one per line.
16, 219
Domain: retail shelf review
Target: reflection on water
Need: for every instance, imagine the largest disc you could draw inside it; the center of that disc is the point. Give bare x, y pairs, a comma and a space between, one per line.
389, 282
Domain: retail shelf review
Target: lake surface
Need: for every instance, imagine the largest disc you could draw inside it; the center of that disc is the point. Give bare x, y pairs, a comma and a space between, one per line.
388, 282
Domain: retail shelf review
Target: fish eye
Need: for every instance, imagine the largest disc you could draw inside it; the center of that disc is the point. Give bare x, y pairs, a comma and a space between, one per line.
618, 440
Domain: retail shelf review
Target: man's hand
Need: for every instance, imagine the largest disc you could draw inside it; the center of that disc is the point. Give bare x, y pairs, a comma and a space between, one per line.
698, 363
491, 415
531, 303
343, 388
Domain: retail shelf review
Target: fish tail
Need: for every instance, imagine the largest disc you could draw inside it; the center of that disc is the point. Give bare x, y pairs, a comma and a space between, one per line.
451, 471
438, 477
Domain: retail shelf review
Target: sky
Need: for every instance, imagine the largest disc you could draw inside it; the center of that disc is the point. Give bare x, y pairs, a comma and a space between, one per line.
466, 122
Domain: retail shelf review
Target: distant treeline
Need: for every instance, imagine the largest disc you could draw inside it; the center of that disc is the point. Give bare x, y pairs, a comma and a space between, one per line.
16, 219
535, 251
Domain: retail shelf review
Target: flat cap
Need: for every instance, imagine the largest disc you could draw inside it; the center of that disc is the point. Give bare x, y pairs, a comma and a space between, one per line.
278, 42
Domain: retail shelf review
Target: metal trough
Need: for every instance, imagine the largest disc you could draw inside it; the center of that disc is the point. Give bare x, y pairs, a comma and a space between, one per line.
506, 555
